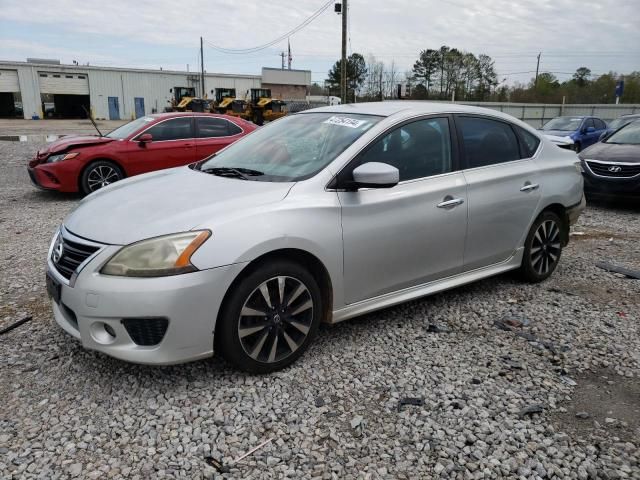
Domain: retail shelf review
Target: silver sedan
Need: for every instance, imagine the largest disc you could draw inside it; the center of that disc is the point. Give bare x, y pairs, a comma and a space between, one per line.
318, 217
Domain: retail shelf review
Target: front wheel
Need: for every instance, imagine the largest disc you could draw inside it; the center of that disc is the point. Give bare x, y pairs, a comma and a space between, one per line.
543, 248
270, 317
100, 174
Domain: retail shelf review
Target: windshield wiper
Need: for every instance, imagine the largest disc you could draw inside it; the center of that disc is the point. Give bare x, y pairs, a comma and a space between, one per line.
239, 172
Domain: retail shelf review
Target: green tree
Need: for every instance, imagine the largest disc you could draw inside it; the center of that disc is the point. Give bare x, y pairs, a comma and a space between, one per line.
581, 77
425, 68
356, 72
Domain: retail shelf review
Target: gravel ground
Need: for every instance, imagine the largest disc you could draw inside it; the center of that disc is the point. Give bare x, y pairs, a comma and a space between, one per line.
492, 402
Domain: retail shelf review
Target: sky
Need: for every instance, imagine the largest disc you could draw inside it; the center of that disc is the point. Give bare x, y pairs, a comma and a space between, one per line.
602, 35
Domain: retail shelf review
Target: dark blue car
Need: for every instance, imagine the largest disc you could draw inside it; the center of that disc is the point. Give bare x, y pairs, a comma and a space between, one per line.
584, 131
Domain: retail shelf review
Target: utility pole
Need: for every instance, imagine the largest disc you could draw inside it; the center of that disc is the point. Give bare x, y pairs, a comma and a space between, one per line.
202, 68
343, 69
282, 54
535, 82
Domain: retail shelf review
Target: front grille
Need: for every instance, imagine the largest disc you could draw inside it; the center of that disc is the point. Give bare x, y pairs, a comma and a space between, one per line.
146, 331
616, 170
73, 254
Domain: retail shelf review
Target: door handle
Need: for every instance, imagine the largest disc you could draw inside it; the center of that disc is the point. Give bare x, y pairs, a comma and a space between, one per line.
529, 187
450, 202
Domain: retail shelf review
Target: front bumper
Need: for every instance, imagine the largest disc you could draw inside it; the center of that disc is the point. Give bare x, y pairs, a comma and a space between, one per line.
189, 302
611, 187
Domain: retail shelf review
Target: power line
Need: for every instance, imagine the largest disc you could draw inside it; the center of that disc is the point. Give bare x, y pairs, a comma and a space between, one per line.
240, 51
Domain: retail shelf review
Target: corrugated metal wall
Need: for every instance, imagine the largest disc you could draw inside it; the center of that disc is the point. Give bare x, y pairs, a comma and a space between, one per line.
9, 81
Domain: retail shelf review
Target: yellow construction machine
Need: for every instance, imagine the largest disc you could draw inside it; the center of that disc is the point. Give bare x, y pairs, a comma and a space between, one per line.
224, 100
260, 107
185, 100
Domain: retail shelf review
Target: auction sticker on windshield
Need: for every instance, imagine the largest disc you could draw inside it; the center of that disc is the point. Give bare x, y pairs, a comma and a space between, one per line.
345, 122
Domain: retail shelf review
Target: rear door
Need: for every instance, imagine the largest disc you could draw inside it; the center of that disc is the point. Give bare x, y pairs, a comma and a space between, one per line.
413, 233
172, 145
213, 134
590, 137
503, 187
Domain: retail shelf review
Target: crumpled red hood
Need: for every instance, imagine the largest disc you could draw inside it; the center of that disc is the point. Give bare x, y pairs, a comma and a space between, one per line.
65, 143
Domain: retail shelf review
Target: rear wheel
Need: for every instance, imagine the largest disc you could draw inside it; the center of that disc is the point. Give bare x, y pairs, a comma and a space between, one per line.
270, 317
543, 248
100, 174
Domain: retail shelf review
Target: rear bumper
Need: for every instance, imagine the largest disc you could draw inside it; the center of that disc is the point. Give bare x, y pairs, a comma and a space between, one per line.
575, 211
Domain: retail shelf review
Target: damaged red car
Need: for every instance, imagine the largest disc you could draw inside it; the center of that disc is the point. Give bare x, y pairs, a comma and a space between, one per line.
154, 142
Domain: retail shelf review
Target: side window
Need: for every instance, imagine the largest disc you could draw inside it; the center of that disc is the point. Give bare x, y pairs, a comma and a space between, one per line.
234, 129
589, 123
487, 142
174, 129
529, 142
600, 125
211, 127
418, 149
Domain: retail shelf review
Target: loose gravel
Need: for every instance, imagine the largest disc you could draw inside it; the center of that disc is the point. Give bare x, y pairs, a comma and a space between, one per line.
491, 378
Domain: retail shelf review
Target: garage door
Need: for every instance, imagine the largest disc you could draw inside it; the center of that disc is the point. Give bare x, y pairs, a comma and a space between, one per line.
9, 81
64, 83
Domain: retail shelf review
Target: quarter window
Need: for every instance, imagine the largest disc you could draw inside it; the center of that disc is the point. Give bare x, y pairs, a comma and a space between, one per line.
174, 129
234, 129
487, 142
418, 149
529, 142
211, 127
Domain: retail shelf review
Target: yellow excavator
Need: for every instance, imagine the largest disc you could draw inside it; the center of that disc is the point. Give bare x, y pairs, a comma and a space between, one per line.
224, 100
259, 108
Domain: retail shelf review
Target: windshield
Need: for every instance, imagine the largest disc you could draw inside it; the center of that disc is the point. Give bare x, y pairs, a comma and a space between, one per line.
293, 148
568, 124
620, 122
128, 128
629, 135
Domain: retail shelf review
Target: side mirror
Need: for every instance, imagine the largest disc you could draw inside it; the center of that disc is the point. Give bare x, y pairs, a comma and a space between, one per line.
144, 139
591, 129
171, 90
375, 175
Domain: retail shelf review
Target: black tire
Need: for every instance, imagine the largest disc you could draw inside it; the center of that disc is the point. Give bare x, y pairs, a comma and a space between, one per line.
577, 147
108, 171
258, 118
262, 332
543, 248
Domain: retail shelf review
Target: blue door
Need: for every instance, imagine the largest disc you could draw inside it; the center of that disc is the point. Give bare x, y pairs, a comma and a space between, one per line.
114, 108
139, 104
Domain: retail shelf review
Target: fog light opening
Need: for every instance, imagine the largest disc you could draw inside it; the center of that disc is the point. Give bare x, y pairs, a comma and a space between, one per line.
109, 329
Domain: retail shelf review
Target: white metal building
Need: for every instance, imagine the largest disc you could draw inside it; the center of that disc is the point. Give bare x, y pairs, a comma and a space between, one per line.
43, 89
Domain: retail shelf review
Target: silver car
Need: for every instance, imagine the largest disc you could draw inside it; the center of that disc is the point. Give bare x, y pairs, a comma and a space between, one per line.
318, 217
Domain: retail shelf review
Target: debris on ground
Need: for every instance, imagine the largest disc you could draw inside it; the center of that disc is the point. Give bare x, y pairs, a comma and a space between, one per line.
433, 328
415, 401
582, 415
356, 421
14, 325
220, 467
627, 272
531, 409
568, 381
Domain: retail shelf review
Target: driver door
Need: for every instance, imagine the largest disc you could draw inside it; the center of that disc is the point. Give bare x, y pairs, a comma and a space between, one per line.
172, 145
399, 237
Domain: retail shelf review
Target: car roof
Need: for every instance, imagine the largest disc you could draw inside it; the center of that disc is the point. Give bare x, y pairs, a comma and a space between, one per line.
184, 114
392, 107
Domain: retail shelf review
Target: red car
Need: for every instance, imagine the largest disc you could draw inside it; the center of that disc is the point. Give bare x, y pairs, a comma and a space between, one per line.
153, 142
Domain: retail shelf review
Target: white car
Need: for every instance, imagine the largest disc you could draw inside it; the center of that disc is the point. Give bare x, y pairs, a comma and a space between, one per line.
317, 217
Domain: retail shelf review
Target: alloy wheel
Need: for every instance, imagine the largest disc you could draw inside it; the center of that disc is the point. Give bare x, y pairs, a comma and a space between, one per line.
275, 319
545, 247
101, 176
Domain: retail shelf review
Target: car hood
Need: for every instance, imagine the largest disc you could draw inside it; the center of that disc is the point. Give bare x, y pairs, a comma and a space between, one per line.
164, 202
558, 133
611, 152
563, 141
64, 143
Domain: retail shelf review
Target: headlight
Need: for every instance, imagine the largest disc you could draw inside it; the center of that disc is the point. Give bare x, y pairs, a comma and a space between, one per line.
62, 156
157, 257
